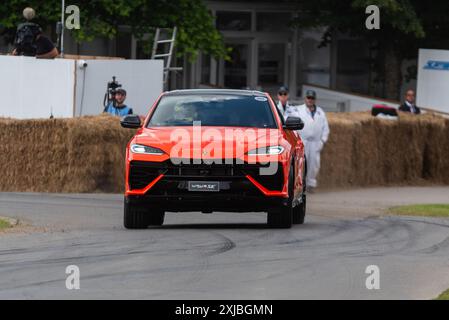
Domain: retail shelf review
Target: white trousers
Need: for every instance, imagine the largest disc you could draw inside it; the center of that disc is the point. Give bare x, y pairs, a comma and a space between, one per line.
312, 150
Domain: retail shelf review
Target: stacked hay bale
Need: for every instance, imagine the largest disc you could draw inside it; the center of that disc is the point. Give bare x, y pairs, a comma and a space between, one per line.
368, 151
63, 155
87, 154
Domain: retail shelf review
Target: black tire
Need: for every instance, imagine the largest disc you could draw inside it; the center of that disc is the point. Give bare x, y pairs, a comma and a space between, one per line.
156, 217
283, 218
299, 212
138, 217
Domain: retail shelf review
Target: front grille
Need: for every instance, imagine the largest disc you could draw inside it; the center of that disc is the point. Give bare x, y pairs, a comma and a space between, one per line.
143, 173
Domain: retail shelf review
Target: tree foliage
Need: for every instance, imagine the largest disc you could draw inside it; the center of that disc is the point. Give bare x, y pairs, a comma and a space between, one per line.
398, 18
405, 26
101, 18
398, 23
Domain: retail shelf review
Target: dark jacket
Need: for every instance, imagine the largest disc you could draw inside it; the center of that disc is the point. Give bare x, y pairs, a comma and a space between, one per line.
405, 108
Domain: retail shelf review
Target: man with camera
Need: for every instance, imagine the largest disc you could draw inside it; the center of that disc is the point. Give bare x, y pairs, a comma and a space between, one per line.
30, 40
117, 106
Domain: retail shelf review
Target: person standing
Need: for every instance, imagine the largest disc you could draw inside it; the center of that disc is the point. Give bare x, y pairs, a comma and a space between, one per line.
118, 107
283, 104
314, 135
409, 103
30, 41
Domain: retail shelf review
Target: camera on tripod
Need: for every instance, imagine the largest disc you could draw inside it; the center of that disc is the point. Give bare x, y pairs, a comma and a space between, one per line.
111, 90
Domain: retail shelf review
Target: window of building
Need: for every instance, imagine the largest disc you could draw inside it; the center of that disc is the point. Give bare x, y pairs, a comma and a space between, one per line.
236, 70
314, 61
271, 65
233, 21
272, 21
209, 70
205, 69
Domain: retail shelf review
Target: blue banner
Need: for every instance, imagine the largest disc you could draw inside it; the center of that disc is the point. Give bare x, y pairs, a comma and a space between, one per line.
437, 65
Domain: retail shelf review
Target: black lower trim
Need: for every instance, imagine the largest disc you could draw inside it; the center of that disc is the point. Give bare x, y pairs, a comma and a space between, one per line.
209, 203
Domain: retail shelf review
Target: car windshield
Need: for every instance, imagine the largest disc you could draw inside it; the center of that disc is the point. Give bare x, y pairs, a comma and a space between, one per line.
213, 110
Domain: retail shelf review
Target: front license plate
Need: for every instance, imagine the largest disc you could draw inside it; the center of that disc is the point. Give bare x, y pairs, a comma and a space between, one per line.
204, 186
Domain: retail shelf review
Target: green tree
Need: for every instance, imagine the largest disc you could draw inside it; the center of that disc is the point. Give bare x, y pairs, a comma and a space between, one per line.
101, 18
401, 31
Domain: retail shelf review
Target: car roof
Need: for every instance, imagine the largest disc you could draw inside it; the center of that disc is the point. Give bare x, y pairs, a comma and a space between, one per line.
188, 92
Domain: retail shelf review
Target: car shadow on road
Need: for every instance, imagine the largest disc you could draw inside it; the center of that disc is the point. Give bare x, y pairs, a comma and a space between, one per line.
215, 226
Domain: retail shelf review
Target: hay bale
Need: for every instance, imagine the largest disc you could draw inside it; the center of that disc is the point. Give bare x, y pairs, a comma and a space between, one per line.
87, 154
368, 151
63, 155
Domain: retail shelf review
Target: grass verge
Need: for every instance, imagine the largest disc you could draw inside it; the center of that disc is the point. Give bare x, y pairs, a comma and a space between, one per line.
444, 295
4, 224
423, 210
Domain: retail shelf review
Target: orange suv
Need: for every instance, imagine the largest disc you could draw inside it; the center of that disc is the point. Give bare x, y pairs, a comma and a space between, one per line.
214, 150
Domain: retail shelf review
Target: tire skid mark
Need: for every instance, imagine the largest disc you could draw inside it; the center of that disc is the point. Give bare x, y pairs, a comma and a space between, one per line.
79, 259
410, 238
383, 241
57, 246
438, 246
223, 246
199, 268
111, 275
278, 236
55, 251
338, 228
405, 223
430, 222
341, 228
205, 253
374, 244
14, 251
105, 258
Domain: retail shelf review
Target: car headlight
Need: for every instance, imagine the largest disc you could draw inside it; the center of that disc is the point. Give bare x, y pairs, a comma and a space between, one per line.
273, 150
138, 148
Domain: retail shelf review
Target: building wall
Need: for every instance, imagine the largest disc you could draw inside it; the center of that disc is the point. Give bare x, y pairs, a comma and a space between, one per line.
273, 50
267, 52
314, 63
264, 54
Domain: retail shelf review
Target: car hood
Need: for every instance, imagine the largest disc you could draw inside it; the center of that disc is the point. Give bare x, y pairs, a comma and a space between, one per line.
235, 141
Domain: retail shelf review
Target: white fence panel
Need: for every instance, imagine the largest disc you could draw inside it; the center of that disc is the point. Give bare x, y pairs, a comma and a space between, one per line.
38, 88
433, 80
35, 88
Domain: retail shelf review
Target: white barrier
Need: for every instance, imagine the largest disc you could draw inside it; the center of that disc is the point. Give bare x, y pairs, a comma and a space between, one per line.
142, 80
332, 100
33, 88
433, 80
38, 88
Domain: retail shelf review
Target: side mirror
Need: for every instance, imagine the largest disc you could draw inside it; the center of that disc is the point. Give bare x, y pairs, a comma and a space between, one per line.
131, 121
294, 123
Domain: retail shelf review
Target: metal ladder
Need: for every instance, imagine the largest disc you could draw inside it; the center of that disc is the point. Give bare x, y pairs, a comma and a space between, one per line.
167, 57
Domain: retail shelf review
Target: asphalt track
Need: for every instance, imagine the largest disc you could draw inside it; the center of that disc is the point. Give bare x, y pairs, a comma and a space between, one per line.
225, 255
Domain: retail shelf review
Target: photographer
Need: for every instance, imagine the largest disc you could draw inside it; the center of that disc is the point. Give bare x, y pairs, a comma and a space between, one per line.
117, 106
31, 42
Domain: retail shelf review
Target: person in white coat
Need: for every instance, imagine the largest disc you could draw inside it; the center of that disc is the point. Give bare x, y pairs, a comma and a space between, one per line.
314, 135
